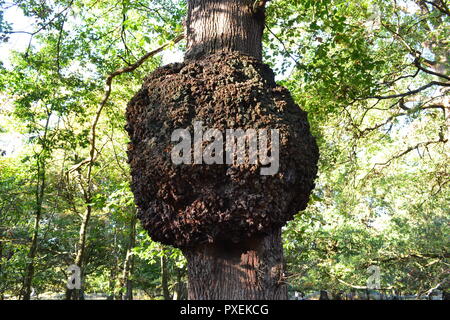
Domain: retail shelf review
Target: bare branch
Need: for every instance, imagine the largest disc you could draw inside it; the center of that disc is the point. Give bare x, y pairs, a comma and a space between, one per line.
297, 63
411, 92
420, 67
412, 148
440, 5
377, 126
109, 79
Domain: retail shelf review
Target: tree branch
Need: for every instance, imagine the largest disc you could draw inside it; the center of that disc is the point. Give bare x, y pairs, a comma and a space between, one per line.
297, 63
259, 4
442, 7
421, 144
377, 126
420, 67
411, 92
109, 79
118, 72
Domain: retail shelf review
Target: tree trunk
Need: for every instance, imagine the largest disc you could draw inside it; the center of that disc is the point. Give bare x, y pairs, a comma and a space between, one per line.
39, 194
128, 265
29, 271
230, 25
250, 270
323, 295
77, 294
164, 277
114, 271
180, 292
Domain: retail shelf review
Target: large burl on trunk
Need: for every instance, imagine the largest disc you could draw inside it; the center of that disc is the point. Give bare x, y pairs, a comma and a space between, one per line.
226, 218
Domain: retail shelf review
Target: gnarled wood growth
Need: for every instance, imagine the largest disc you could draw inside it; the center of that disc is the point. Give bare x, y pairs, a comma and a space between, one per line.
226, 218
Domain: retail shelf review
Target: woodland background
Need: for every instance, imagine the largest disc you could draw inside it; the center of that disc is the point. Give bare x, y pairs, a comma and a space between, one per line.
372, 74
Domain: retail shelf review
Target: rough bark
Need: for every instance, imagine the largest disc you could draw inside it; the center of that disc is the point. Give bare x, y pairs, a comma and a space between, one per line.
252, 270
224, 25
188, 205
227, 219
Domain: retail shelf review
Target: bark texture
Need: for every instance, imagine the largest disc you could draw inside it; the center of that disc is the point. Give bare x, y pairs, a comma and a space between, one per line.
224, 25
226, 218
189, 205
251, 270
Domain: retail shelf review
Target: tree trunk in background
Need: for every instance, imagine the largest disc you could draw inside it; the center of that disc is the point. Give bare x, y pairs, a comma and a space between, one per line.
231, 25
39, 194
112, 284
115, 270
180, 292
29, 272
164, 277
323, 295
252, 269
77, 294
128, 265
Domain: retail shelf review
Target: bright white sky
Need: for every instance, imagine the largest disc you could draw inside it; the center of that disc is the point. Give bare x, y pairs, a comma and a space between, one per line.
13, 142
17, 41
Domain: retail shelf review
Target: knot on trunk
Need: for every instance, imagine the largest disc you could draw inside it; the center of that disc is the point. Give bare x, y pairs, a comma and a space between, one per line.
186, 205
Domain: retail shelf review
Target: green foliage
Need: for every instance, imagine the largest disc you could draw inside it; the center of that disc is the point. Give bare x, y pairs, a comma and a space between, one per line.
382, 194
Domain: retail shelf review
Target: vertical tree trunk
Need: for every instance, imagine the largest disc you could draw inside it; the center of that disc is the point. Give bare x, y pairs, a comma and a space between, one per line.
29, 271
164, 277
39, 194
323, 295
180, 292
128, 265
230, 25
77, 294
114, 271
252, 269
112, 284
